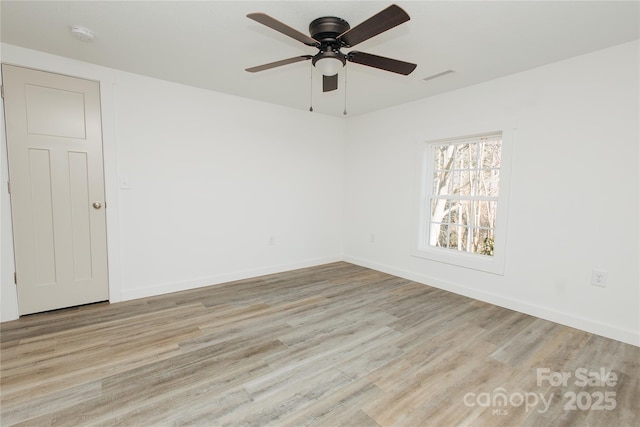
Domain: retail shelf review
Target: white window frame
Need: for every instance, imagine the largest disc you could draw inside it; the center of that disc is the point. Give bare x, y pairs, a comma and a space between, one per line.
491, 264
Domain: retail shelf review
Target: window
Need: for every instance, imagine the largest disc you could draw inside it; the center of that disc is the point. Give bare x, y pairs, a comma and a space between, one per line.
463, 199
462, 216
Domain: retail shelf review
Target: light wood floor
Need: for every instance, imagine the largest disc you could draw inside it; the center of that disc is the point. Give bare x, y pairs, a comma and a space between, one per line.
331, 345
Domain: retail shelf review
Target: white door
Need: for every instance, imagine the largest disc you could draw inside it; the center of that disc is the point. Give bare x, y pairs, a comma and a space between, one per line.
54, 144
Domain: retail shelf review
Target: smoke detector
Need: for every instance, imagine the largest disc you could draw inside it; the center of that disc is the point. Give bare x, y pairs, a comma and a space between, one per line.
82, 33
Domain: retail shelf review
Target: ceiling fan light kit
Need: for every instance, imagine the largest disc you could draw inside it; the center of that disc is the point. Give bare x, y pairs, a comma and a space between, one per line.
328, 65
329, 34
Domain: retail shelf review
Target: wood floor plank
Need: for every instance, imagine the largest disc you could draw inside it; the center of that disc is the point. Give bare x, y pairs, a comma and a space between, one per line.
331, 345
339, 408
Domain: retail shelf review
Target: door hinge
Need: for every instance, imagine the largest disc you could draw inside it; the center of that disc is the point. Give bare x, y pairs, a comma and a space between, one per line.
9, 186
15, 278
2, 91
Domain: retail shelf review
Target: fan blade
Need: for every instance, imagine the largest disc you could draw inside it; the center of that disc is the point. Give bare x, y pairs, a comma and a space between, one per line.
270, 22
329, 83
379, 23
278, 63
381, 62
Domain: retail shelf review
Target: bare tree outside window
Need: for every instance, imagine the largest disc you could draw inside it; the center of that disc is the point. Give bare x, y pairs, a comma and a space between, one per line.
464, 194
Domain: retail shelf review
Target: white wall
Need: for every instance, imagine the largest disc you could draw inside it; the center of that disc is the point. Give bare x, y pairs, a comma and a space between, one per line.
573, 198
212, 179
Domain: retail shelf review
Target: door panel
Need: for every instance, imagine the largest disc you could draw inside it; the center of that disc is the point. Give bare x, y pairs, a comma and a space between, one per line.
80, 215
55, 112
42, 217
54, 143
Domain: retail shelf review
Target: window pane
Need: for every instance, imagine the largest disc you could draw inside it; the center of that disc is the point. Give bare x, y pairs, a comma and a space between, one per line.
460, 210
475, 187
475, 239
441, 234
442, 183
455, 211
442, 155
437, 179
491, 154
465, 156
440, 210
489, 182
485, 242
462, 184
486, 213
453, 237
459, 238
475, 150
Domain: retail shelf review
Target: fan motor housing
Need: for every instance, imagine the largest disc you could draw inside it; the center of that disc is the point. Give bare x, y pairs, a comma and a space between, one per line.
327, 28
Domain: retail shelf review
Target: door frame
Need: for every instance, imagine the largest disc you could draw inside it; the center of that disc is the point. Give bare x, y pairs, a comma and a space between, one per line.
107, 78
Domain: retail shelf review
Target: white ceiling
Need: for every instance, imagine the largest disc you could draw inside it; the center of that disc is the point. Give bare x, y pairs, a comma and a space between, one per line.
208, 44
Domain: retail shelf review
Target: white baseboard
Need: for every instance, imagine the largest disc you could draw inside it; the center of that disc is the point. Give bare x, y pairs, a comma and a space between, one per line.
165, 288
628, 336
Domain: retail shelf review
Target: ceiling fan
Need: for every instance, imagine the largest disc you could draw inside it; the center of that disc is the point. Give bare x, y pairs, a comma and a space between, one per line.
329, 34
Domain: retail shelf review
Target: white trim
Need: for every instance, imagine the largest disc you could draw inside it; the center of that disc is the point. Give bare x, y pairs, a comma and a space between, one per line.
491, 264
625, 335
168, 287
42, 61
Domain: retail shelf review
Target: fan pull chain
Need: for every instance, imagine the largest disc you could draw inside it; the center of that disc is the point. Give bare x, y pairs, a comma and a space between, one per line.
344, 113
311, 88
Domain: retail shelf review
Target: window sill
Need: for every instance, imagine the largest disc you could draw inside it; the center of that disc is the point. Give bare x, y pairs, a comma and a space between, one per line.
489, 264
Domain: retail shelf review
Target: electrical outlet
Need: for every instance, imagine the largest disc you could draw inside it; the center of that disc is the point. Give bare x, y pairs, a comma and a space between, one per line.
272, 241
599, 278
372, 238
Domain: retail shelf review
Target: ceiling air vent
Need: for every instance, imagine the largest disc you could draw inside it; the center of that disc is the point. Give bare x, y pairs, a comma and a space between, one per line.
435, 76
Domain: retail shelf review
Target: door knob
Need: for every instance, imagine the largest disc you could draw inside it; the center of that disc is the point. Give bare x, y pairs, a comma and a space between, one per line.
97, 205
